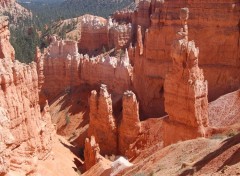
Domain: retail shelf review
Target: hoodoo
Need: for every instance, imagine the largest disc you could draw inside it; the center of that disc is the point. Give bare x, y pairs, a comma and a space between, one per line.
185, 89
142, 92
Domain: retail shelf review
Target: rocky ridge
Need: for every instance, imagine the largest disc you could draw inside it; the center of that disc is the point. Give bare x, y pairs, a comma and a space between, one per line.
15, 10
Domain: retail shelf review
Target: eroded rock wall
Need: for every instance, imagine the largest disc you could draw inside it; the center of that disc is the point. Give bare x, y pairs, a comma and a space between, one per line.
215, 28
58, 69
61, 68
26, 132
6, 49
97, 35
185, 90
108, 70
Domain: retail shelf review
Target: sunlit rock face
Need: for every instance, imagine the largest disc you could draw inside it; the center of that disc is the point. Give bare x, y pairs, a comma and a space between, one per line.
6, 49
25, 132
77, 69
186, 90
91, 153
58, 69
216, 35
130, 126
102, 123
15, 10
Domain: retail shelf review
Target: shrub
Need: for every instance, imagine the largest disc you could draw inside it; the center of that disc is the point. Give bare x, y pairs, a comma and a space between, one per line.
67, 119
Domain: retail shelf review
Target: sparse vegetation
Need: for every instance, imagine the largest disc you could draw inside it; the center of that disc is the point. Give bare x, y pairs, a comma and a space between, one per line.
32, 32
67, 119
218, 136
232, 133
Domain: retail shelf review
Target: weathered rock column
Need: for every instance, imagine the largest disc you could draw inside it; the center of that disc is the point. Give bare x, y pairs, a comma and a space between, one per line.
130, 126
102, 123
185, 90
91, 153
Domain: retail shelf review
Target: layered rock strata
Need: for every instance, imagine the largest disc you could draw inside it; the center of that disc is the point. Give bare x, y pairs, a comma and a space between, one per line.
61, 67
216, 35
185, 90
25, 132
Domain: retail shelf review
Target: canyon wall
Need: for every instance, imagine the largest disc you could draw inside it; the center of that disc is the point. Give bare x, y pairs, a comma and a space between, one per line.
61, 68
58, 69
94, 35
6, 49
215, 28
26, 133
151, 32
98, 35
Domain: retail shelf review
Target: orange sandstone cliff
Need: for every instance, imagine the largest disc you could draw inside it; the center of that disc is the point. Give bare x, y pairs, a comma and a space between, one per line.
185, 90
216, 35
6, 49
161, 67
26, 132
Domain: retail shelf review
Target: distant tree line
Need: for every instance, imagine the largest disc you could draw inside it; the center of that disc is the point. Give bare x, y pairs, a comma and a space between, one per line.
27, 34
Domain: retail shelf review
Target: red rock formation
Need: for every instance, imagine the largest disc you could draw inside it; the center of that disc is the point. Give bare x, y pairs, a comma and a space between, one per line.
14, 9
130, 126
6, 49
91, 153
185, 90
99, 34
52, 80
26, 133
29, 131
108, 70
123, 15
79, 69
142, 16
213, 33
120, 35
102, 123
140, 40
94, 35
